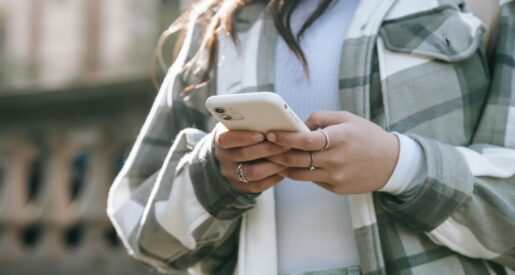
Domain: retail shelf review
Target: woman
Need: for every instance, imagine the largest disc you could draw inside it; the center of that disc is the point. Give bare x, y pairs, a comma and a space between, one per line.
414, 153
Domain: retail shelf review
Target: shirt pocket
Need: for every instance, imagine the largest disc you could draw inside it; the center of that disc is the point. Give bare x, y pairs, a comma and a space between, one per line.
434, 76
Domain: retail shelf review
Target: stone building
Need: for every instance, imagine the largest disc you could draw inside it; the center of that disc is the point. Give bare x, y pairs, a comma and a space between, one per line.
74, 90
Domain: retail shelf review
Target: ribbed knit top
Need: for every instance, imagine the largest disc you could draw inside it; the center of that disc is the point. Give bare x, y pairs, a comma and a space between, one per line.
314, 230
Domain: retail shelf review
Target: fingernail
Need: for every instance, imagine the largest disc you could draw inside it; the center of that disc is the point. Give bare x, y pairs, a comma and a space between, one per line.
271, 137
258, 137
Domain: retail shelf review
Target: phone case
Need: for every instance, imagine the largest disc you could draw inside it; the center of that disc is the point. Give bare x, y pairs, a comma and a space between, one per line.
261, 112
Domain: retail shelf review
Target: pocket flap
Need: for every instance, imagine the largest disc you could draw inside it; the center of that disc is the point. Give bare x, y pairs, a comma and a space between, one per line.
444, 33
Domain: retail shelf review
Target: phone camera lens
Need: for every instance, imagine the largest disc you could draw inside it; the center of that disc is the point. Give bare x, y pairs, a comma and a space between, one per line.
220, 110
227, 117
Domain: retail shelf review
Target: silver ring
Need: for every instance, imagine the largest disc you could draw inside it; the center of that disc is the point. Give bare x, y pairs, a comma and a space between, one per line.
327, 143
311, 162
239, 172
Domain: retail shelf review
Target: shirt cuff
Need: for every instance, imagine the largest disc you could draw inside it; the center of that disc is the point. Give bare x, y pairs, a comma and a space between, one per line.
213, 191
410, 166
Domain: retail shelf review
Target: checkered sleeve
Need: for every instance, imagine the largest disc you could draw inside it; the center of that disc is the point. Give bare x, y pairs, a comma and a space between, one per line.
169, 204
467, 201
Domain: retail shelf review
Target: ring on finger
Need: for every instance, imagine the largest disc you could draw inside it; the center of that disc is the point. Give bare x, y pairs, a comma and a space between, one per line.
327, 142
311, 162
239, 173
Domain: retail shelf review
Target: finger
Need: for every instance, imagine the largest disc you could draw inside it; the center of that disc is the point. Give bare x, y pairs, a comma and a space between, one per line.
292, 158
302, 159
257, 186
233, 139
305, 174
252, 152
260, 170
306, 141
324, 185
322, 119
263, 185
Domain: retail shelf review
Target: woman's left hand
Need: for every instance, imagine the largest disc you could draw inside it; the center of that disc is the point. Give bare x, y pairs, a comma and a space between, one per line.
361, 156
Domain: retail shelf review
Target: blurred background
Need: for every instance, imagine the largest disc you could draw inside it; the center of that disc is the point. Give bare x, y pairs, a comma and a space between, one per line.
74, 90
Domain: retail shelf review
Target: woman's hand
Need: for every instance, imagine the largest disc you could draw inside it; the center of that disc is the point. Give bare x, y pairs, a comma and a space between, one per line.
251, 150
361, 156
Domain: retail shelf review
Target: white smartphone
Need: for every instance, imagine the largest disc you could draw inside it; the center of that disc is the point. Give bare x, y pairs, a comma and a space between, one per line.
260, 112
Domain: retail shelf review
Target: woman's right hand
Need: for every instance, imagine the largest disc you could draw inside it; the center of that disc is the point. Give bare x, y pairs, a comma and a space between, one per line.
250, 149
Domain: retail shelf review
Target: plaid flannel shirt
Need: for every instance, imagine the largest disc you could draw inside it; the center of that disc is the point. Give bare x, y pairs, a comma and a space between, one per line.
411, 66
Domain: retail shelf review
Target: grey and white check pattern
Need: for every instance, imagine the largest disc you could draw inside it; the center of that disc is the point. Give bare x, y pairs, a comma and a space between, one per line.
415, 67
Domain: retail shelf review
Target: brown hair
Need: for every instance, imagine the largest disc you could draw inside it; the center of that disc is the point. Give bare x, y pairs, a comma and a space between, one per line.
218, 15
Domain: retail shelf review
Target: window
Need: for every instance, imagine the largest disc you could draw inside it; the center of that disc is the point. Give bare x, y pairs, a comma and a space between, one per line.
36, 176
78, 174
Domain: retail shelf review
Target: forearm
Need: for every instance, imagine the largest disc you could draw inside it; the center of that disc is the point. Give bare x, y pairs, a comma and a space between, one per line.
467, 200
468, 212
410, 170
163, 223
213, 191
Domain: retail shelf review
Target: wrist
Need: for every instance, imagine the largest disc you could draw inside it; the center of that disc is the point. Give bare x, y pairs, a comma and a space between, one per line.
409, 162
393, 159
213, 190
